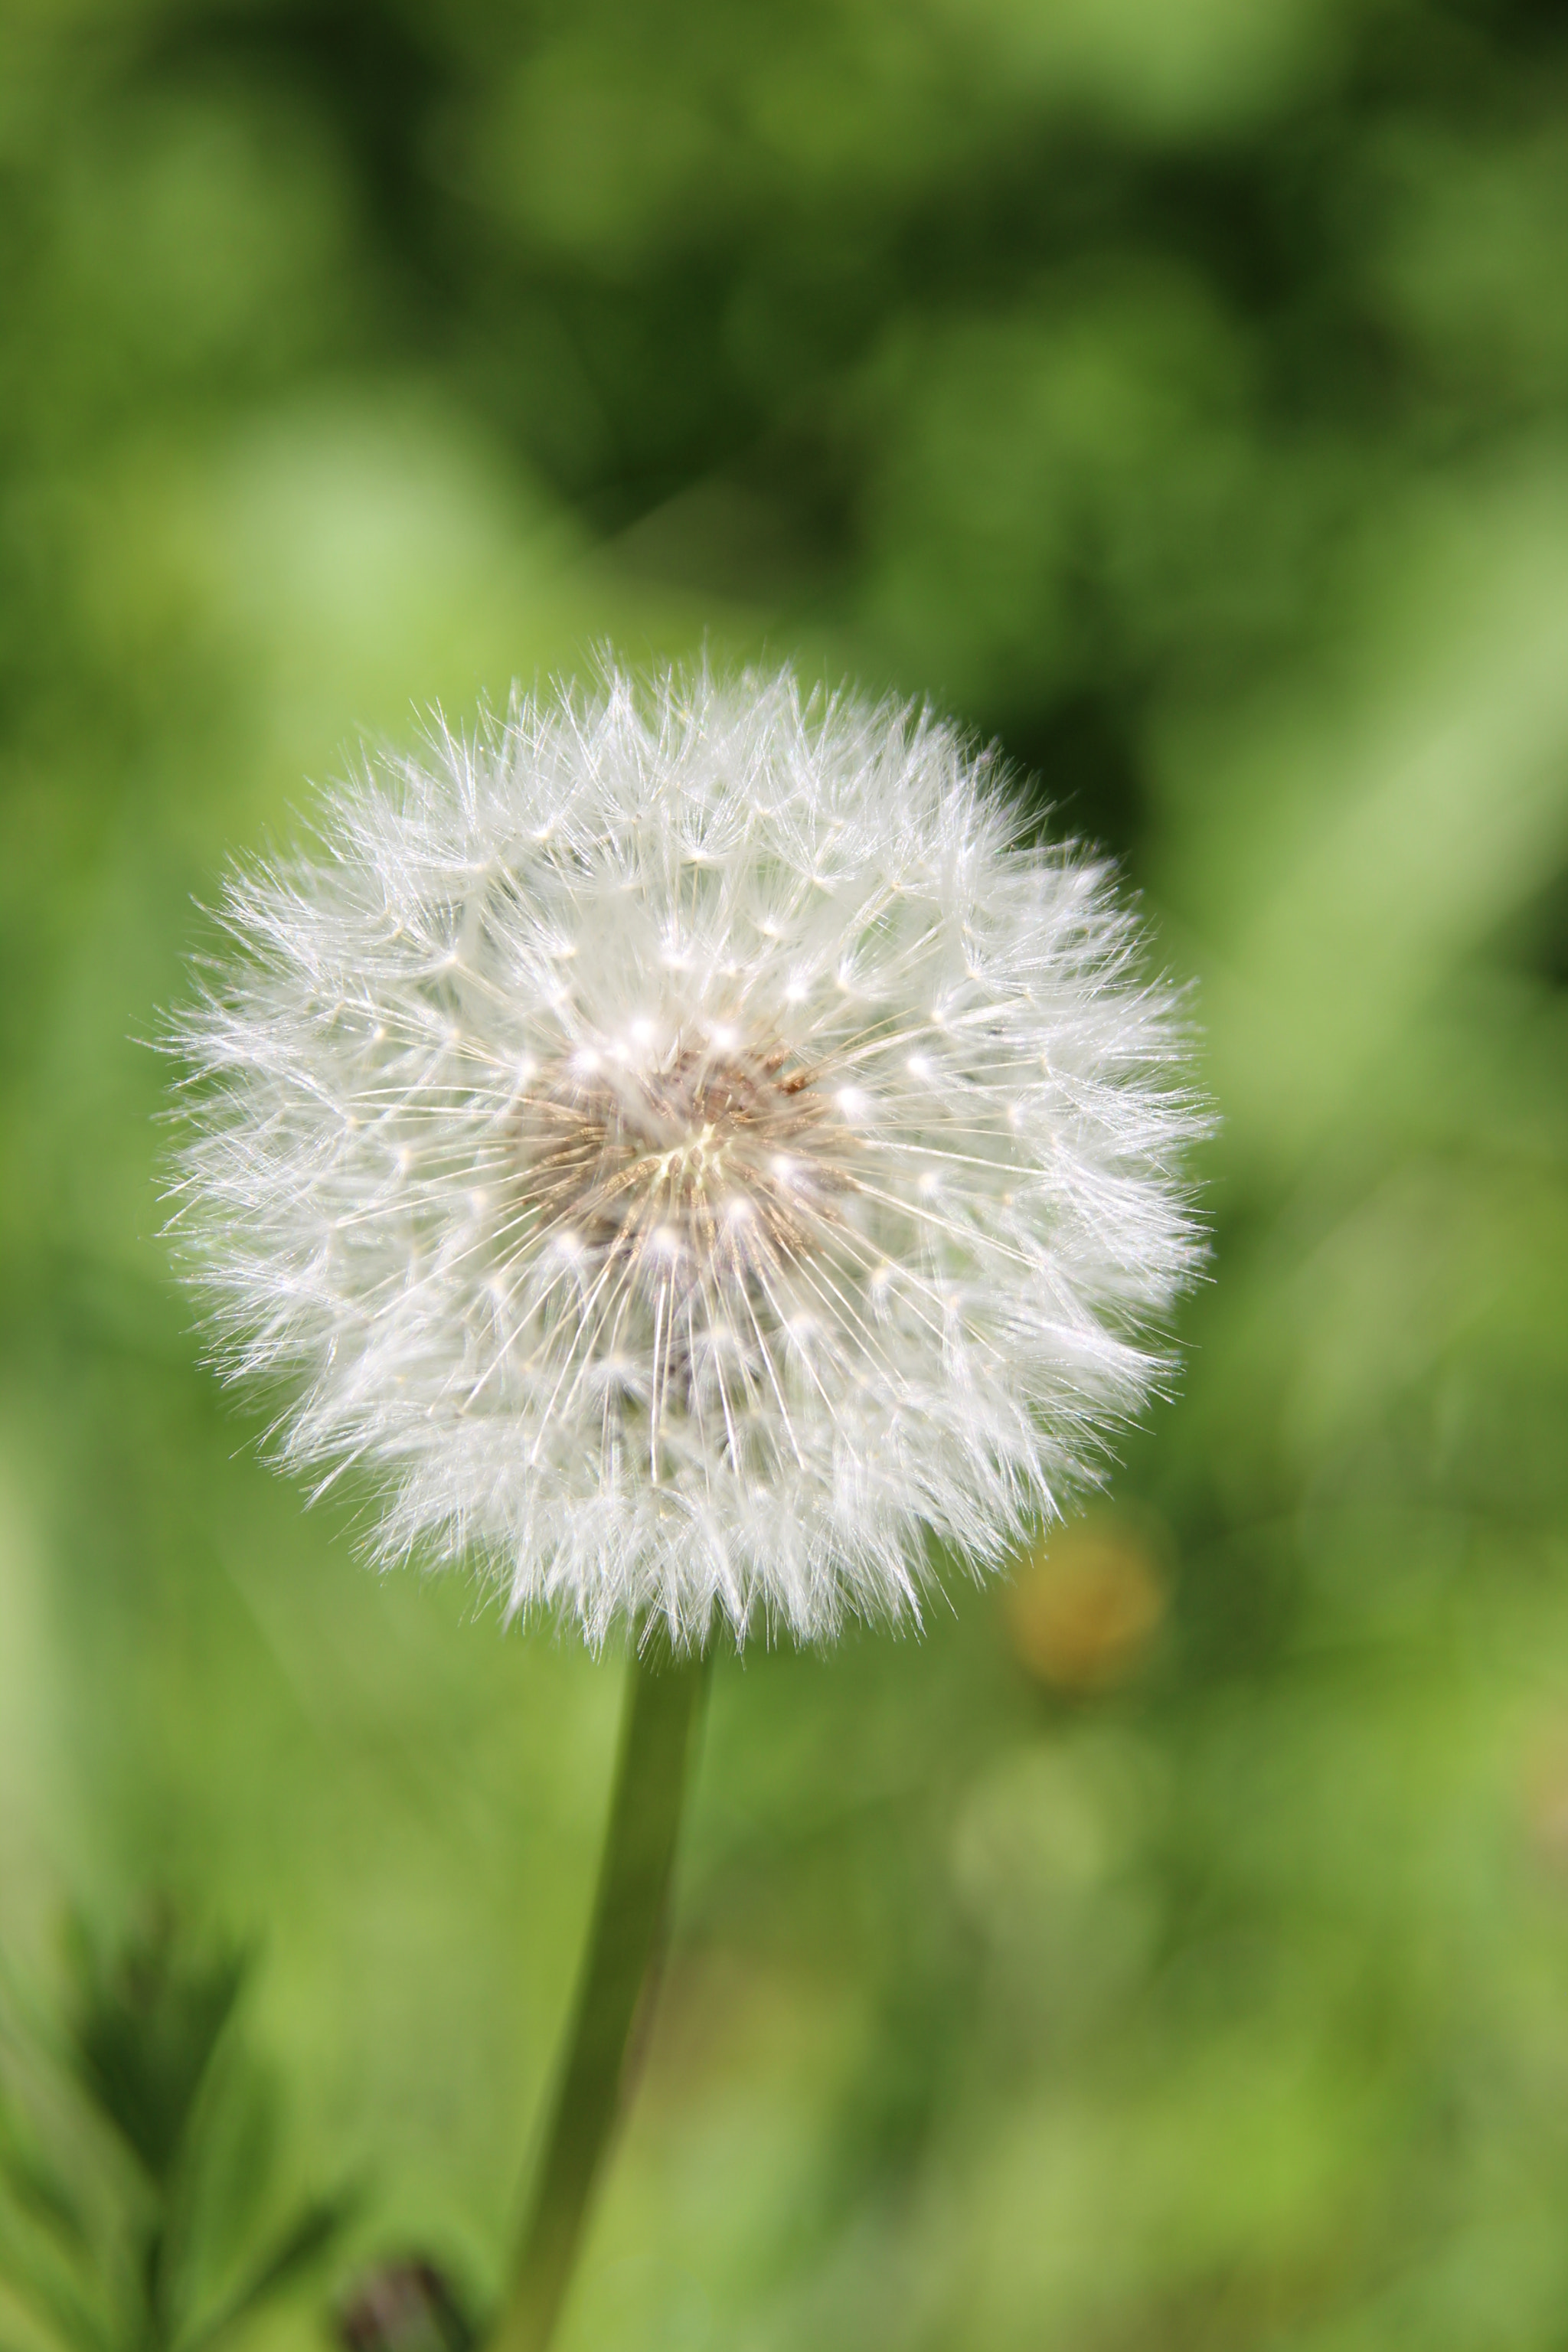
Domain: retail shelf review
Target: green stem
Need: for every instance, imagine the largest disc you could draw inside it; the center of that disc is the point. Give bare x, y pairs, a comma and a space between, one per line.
663, 1695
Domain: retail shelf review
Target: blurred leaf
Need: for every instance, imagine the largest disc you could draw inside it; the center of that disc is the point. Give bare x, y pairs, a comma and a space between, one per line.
304, 2243
148, 2022
39, 2279
36, 2187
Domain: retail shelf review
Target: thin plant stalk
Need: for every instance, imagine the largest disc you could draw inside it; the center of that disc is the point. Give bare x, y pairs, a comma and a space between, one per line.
663, 1702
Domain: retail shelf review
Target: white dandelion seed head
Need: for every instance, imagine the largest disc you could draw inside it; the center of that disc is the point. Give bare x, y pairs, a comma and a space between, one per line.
683, 1144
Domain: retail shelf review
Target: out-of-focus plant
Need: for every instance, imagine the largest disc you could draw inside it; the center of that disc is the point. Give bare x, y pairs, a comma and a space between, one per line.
139, 2156
1180, 390
405, 2305
693, 1149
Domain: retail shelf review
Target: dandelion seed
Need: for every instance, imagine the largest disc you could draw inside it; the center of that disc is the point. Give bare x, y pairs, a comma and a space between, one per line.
768, 1033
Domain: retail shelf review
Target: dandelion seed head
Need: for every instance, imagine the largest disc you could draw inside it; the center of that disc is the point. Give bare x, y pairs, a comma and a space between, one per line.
682, 1143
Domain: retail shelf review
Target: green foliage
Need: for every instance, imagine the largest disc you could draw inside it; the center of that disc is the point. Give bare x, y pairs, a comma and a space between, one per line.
137, 2160
1179, 391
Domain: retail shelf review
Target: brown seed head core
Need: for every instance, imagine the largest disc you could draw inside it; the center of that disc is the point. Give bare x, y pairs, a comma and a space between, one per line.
702, 1164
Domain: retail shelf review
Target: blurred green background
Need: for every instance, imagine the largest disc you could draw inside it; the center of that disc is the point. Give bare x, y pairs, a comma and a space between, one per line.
1173, 1955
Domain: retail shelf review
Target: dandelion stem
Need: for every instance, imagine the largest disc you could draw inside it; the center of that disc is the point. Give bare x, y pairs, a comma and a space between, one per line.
663, 1702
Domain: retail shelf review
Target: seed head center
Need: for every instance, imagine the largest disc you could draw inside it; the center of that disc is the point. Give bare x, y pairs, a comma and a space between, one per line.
724, 1161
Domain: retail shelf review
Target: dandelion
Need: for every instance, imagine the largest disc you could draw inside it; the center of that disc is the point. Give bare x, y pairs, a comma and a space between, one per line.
694, 1153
